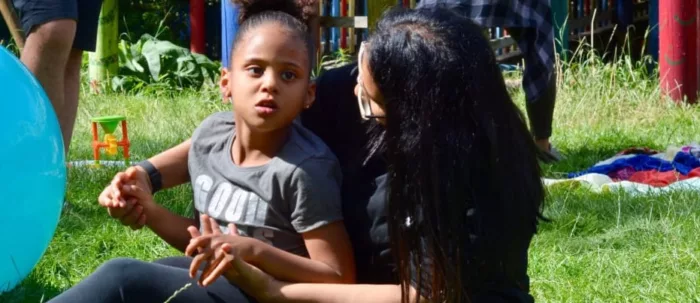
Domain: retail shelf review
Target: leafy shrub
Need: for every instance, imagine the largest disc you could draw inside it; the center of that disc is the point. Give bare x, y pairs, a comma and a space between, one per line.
150, 61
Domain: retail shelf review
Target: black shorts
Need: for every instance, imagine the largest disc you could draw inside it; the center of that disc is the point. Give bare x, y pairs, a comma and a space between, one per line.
86, 13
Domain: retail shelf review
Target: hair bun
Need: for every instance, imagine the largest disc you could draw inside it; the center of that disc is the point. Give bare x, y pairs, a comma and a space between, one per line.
299, 9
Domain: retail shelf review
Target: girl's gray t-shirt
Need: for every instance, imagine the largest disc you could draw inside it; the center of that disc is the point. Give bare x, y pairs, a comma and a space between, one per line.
296, 192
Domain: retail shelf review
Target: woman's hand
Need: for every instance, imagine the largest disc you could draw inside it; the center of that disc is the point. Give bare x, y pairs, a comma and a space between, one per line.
217, 250
249, 278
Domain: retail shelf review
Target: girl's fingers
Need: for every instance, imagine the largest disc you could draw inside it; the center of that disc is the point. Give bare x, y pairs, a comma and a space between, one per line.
209, 268
214, 226
197, 244
194, 232
117, 183
141, 222
223, 266
136, 191
197, 262
206, 225
232, 229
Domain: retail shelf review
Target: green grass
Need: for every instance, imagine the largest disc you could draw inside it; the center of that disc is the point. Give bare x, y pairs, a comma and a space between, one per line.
599, 247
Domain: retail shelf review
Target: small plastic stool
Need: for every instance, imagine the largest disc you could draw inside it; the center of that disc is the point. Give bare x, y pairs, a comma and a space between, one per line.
110, 144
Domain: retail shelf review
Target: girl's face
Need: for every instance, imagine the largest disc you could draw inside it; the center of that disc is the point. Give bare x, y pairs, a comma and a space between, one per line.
369, 97
268, 81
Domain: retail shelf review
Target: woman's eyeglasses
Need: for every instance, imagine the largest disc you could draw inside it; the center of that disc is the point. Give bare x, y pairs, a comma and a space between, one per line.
362, 99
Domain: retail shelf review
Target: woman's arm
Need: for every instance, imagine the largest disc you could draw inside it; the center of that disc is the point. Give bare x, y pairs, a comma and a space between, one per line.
336, 293
266, 288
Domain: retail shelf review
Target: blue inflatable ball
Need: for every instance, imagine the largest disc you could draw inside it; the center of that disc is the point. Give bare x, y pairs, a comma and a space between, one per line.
32, 171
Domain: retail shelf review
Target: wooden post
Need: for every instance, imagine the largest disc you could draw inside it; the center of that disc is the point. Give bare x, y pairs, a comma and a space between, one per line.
351, 13
12, 21
375, 9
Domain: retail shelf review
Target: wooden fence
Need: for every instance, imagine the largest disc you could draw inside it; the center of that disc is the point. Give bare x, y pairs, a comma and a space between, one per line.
344, 23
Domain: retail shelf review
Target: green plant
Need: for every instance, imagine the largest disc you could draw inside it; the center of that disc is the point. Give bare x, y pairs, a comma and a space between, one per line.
166, 18
10, 46
150, 61
337, 58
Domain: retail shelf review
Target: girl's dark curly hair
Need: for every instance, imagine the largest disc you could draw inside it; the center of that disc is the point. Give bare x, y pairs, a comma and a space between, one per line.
292, 14
303, 10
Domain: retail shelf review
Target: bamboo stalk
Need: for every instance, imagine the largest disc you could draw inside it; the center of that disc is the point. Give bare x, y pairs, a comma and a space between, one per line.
351, 13
103, 63
12, 21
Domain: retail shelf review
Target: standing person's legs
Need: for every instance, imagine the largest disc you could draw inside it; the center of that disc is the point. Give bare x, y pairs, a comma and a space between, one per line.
71, 93
540, 112
53, 50
50, 28
134, 281
85, 40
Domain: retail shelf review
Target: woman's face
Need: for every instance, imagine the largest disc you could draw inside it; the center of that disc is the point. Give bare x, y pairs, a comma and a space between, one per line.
369, 97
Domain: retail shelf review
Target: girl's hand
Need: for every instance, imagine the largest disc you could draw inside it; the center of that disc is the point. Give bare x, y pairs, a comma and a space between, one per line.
121, 202
216, 249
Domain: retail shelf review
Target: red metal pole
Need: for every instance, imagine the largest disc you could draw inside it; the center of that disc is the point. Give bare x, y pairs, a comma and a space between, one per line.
678, 57
343, 31
197, 26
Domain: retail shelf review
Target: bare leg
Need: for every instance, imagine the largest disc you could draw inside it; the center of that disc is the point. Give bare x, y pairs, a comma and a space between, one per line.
72, 92
45, 54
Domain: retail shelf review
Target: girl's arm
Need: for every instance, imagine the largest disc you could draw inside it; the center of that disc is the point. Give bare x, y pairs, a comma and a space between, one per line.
167, 225
173, 169
331, 258
316, 214
170, 227
172, 165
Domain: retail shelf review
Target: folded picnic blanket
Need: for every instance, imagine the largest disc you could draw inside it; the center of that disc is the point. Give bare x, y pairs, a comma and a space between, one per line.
601, 183
623, 167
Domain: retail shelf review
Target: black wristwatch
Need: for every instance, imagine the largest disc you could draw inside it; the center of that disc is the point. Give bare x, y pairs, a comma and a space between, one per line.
153, 175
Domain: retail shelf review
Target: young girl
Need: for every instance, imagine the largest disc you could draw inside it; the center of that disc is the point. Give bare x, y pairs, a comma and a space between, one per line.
276, 181
275, 184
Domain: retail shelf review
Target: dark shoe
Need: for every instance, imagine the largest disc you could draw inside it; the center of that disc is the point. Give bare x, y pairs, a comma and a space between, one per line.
550, 156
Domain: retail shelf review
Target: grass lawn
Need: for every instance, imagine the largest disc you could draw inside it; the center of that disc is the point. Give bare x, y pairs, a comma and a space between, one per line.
598, 248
